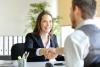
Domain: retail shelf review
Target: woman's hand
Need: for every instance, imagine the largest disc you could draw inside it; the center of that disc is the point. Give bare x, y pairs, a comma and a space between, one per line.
42, 51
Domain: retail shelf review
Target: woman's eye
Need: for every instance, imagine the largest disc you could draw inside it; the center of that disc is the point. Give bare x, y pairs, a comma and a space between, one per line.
44, 21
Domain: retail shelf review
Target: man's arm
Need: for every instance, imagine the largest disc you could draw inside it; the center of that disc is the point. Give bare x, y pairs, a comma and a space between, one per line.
60, 51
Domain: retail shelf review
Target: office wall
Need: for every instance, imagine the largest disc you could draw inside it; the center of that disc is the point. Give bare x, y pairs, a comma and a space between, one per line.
64, 11
14, 15
98, 8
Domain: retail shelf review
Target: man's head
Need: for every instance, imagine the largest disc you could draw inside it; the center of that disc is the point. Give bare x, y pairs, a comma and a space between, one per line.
81, 10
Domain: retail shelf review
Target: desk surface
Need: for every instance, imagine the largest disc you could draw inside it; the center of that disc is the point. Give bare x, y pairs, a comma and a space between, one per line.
10, 63
41, 64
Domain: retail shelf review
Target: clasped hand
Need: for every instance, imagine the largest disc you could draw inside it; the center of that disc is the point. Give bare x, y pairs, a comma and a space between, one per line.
49, 53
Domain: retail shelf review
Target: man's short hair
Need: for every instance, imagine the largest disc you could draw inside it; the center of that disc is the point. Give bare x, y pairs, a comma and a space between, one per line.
87, 7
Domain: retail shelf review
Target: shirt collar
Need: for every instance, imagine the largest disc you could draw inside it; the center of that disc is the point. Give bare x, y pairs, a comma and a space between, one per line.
94, 21
48, 44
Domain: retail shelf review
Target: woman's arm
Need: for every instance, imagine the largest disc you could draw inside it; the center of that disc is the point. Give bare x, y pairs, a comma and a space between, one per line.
29, 42
32, 47
59, 50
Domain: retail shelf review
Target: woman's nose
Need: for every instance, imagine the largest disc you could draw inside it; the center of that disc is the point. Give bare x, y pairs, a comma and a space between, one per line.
48, 23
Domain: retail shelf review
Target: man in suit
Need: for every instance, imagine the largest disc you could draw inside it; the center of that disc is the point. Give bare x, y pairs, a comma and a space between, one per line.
79, 42
81, 47
82, 17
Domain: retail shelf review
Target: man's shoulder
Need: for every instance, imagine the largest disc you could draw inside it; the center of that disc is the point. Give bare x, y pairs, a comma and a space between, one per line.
78, 37
78, 33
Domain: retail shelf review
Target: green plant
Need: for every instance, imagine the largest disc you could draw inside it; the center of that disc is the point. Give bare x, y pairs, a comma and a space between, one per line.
36, 8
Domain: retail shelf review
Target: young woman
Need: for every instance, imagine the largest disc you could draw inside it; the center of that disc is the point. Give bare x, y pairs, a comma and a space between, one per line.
41, 38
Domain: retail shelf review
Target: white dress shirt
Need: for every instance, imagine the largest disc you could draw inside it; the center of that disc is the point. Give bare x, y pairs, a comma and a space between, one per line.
76, 45
45, 46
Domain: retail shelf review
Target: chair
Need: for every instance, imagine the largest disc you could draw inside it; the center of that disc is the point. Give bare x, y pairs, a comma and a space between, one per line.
17, 50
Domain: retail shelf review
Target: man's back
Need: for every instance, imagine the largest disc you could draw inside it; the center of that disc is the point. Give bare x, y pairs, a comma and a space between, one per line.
74, 48
93, 33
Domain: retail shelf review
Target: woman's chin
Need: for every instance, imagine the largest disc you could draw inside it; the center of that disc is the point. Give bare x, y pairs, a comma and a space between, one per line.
47, 32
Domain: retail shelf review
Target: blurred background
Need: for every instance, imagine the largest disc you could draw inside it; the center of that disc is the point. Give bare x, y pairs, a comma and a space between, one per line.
14, 19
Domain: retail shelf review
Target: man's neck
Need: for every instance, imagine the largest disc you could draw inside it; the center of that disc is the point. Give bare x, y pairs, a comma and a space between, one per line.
80, 20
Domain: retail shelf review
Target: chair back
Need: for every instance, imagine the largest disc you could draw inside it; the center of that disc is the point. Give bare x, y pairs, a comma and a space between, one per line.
17, 50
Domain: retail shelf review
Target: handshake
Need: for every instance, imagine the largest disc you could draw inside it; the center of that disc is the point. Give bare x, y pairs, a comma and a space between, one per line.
51, 53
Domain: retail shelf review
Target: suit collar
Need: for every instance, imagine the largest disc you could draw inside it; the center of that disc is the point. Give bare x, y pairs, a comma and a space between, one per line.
52, 44
38, 40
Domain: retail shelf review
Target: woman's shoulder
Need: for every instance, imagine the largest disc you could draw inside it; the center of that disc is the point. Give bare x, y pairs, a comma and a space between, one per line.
32, 35
29, 34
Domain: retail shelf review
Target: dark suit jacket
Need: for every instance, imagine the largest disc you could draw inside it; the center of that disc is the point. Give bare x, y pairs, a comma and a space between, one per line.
33, 42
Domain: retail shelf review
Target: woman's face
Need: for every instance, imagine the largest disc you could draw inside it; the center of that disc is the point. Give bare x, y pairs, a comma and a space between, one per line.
46, 23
